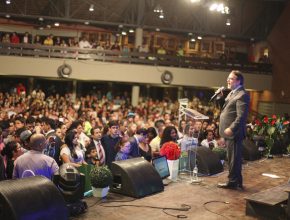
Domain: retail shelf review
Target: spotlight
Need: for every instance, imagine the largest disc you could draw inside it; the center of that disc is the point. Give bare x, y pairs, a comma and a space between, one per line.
192, 39
158, 9
86, 23
7, 16
131, 31
199, 37
189, 34
56, 24
71, 184
157, 29
91, 7
124, 33
161, 15
8, 2
228, 22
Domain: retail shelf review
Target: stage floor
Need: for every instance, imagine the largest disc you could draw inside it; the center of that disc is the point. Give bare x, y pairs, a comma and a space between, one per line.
206, 200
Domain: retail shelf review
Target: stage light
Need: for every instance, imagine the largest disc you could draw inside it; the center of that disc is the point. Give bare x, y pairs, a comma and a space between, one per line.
40, 19
199, 37
8, 2
86, 23
91, 7
71, 184
161, 15
189, 34
228, 22
157, 29
158, 9
124, 33
219, 7
56, 24
192, 39
131, 31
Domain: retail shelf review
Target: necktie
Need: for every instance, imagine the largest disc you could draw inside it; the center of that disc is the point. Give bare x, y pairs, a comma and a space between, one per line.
100, 153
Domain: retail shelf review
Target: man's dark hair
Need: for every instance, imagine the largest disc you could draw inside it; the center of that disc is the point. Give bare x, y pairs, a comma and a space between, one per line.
50, 122
21, 119
93, 129
113, 123
239, 76
142, 131
159, 123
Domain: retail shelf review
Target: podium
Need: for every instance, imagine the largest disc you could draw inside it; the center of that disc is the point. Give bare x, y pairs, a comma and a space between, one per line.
188, 157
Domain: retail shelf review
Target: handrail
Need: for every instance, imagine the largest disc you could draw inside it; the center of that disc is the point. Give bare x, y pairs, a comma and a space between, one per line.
131, 57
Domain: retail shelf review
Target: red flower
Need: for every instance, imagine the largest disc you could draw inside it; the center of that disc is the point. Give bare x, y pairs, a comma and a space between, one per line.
266, 119
257, 122
171, 150
274, 116
286, 122
273, 122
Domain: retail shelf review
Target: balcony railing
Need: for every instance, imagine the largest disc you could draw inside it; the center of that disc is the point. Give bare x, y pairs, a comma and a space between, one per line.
132, 57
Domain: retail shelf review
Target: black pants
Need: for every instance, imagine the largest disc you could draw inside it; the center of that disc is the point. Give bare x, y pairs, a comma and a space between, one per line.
234, 152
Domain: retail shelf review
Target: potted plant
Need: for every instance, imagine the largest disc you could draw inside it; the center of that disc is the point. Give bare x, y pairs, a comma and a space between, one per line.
172, 152
101, 178
221, 152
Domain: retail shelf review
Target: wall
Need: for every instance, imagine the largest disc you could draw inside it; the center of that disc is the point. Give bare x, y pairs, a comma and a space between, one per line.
279, 42
102, 71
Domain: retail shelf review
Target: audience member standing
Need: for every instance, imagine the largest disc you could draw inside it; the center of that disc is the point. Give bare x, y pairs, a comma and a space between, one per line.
34, 162
109, 142
96, 135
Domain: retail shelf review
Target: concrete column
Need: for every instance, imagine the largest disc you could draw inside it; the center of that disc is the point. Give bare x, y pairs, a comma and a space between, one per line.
74, 90
138, 37
135, 95
180, 92
30, 86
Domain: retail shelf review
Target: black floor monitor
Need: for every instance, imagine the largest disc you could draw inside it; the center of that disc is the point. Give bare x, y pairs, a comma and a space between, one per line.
161, 166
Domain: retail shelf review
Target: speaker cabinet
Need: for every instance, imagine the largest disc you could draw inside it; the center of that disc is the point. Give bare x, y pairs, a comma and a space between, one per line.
135, 177
208, 163
250, 150
31, 198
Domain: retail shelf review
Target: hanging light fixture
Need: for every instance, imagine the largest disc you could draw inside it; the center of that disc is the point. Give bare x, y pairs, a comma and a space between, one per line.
161, 15
228, 22
158, 9
91, 7
8, 2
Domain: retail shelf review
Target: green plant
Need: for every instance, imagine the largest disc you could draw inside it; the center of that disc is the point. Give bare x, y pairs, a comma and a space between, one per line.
101, 177
221, 152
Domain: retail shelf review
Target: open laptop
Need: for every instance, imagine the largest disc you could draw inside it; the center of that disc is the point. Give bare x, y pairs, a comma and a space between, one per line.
161, 166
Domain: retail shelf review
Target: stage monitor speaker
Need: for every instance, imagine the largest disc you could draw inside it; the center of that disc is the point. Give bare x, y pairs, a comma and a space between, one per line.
135, 177
31, 198
208, 163
250, 150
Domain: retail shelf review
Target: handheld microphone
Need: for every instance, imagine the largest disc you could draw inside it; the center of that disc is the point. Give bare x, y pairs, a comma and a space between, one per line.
219, 91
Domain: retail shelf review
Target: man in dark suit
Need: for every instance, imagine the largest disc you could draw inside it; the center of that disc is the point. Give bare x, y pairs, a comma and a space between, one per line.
233, 127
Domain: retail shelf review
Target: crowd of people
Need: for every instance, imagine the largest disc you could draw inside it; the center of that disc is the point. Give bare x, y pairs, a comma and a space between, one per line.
92, 130
82, 43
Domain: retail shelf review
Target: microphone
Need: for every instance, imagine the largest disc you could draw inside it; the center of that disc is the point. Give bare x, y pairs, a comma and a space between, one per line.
219, 91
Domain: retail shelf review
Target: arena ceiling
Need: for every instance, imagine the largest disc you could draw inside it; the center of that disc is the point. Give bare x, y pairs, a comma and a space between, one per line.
249, 18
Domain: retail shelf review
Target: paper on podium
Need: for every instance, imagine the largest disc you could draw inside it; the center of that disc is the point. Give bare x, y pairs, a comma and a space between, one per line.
195, 114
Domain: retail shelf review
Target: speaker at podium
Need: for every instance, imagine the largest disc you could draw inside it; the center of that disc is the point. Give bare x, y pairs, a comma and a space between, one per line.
208, 163
31, 198
135, 177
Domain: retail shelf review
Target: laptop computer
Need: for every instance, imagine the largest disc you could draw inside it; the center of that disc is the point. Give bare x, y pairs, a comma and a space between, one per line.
161, 166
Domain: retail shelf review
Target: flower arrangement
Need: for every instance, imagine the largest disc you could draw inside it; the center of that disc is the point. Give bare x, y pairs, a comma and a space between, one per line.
271, 128
171, 150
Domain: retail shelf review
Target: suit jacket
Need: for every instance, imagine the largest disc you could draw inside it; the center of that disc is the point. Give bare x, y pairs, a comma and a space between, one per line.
234, 114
